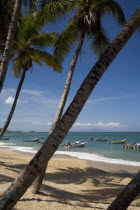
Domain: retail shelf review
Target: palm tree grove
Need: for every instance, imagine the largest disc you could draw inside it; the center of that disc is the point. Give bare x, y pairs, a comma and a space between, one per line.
69, 98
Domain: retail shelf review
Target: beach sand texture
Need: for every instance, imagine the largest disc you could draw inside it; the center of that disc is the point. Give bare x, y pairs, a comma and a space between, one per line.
69, 183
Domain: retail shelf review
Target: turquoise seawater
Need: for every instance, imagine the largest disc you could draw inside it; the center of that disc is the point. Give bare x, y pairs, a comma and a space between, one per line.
93, 150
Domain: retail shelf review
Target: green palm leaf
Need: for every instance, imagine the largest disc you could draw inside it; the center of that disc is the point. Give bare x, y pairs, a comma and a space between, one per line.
46, 58
99, 41
43, 40
66, 40
111, 7
53, 11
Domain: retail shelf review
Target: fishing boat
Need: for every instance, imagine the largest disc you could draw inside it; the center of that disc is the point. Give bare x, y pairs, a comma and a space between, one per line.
118, 142
75, 144
5, 138
132, 146
97, 139
137, 145
32, 140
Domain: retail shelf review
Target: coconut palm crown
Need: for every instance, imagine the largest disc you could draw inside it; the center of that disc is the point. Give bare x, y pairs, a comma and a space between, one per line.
28, 47
87, 20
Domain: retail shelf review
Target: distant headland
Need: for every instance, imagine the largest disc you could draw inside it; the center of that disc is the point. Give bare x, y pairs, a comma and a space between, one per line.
8, 131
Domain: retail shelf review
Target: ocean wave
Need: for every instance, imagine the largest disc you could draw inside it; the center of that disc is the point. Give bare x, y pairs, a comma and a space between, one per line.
6, 144
18, 148
99, 158
80, 155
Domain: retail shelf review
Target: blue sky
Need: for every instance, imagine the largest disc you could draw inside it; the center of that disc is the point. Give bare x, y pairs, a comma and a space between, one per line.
113, 105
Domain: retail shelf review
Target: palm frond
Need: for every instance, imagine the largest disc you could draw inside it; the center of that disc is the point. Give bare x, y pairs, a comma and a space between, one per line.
66, 40
31, 4
43, 40
99, 41
53, 11
17, 69
26, 28
111, 7
46, 58
44, 2
6, 8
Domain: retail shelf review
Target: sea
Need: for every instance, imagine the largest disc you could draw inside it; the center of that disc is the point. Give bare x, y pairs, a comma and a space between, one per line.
102, 151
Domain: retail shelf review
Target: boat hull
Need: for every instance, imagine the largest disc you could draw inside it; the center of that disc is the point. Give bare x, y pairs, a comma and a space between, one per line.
76, 144
118, 142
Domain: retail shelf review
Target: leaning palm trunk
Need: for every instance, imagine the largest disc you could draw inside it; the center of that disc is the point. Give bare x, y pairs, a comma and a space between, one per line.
9, 42
129, 193
68, 81
39, 180
39, 162
14, 104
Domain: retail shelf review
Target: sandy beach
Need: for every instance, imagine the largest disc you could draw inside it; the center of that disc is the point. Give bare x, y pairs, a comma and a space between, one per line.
70, 183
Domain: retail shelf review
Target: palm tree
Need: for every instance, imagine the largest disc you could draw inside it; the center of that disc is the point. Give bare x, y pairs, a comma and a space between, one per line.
130, 192
86, 21
38, 163
50, 12
11, 33
27, 50
6, 8
9, 42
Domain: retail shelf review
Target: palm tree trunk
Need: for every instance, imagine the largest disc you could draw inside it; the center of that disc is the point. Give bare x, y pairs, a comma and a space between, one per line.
130, 192
14, 104
68, 81
38, 182
38, 163
9, 42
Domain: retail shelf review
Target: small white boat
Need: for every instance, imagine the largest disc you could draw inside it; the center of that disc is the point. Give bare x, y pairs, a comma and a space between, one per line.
75, 144
32, 140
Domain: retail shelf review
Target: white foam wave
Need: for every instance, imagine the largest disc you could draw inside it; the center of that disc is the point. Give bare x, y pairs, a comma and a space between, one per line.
80, 155
25, 149
94, 157
6, 144
17, 148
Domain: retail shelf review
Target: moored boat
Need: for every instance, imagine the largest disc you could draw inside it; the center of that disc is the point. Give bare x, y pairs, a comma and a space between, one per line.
32, 140
118, 142
97, 139
132, 146
75, 144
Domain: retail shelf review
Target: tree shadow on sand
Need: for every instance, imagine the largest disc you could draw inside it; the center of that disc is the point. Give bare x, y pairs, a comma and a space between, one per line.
103, 187
15, 168
79, 176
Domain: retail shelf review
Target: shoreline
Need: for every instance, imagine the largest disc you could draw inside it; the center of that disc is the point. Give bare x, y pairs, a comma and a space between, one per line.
108, 167
105, 166
70, 183
72, 154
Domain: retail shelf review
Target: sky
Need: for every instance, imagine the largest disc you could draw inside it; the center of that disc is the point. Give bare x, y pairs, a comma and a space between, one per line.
113, 106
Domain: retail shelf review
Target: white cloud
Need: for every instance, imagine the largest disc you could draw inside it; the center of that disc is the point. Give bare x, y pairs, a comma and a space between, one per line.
110, 124
9, 100
36, 123
40, 97
33, 92
82, 124
49, 123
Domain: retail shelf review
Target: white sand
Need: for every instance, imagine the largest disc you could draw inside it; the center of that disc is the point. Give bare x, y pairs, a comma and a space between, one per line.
69, 183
